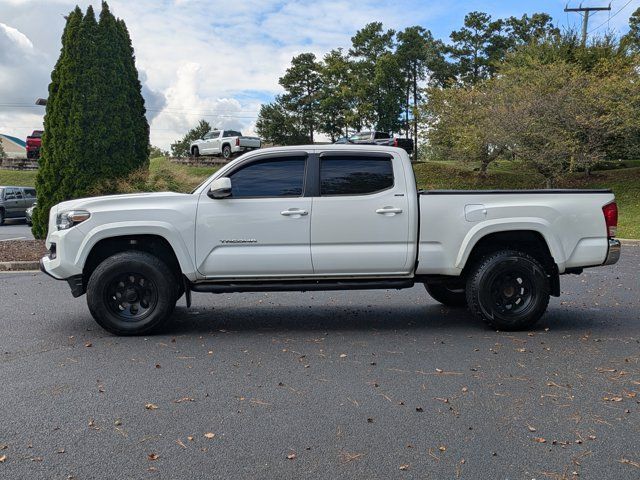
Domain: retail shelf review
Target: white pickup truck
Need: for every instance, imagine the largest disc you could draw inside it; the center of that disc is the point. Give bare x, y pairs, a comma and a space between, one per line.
223, 142
328, 217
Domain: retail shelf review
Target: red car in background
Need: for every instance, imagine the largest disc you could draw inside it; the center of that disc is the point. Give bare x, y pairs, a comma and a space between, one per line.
34, 141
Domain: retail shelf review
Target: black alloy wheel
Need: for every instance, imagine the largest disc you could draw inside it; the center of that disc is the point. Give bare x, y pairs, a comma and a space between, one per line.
508, 289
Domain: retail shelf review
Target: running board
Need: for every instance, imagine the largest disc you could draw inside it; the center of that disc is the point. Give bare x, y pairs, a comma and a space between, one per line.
302, 286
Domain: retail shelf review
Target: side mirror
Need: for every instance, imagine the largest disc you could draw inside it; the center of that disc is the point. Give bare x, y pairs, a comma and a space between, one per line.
220, 188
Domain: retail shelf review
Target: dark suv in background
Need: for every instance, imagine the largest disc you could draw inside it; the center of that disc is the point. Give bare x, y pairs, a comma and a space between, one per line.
14, 202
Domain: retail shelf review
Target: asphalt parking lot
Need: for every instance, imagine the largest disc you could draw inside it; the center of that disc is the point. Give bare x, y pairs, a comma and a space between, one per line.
15, 229
374, 384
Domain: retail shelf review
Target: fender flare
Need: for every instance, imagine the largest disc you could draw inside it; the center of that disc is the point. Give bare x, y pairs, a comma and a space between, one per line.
538, 225
125, 229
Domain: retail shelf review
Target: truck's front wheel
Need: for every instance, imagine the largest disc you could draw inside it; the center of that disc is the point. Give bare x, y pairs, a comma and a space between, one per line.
131, 293
195, 152
508, 289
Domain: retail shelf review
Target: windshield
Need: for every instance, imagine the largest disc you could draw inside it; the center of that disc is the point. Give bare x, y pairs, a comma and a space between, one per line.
360, 136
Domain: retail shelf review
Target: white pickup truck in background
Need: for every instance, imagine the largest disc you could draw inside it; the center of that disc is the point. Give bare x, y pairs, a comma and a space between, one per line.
224, 143
327, 217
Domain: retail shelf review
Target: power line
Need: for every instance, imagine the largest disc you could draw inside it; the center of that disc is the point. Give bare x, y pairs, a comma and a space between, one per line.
611, 16
585, 17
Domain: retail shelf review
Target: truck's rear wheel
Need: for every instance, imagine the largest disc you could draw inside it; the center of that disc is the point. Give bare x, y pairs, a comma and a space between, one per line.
195, 151
226, 152
1, 216
131, 293
508, 289
452, 297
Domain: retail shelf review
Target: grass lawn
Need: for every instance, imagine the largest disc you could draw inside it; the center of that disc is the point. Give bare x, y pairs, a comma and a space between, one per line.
625, 182
19, 178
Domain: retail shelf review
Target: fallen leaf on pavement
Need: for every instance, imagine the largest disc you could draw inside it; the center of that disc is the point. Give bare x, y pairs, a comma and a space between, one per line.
3, 458
539, 440
346, 457
630, 462
291, 456
184, 399
179, 442
88, 344
153, 456
343, 355
151, 406
531, 429
404, 467
209, 435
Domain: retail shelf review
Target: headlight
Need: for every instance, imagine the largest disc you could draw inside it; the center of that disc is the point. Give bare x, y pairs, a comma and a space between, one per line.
68, 219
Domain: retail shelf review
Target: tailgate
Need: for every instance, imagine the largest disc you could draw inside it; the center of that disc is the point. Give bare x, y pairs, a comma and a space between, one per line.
249, 142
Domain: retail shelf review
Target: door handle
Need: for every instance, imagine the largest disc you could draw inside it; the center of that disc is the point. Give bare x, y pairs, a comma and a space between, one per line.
388, 210
293, 212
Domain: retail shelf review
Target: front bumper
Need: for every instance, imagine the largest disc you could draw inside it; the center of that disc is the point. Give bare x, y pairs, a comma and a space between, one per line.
613, 252
76, 282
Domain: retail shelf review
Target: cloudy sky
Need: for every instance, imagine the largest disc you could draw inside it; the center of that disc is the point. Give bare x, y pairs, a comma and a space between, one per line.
220, 60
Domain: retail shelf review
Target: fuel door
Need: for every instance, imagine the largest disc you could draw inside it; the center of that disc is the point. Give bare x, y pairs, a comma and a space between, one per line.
475, 212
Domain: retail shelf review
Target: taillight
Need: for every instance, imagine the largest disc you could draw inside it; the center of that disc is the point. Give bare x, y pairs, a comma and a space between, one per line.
610, 211
395, 142
237, 141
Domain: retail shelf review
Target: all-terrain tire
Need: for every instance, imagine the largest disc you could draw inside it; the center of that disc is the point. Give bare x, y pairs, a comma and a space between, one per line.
226, 152
447, 296
508, 289
125, 280
195, 151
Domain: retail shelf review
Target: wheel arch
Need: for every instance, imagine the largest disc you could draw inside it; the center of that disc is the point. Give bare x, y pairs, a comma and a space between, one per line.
530, 241
153, 244
535, 231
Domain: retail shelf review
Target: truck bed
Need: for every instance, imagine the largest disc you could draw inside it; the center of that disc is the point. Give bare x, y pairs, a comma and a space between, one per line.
570, 222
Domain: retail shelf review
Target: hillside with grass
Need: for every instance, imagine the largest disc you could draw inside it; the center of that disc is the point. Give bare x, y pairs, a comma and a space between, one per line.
625, 182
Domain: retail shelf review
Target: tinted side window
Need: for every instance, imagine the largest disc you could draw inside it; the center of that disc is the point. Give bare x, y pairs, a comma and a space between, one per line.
269, 178
355, 175
381, 135
29, 193
9, 194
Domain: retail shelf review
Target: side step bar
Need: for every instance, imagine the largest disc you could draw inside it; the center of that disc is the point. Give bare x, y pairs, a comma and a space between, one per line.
302, 286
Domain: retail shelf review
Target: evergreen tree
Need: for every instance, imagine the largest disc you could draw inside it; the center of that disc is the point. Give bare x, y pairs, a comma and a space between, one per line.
375, 84
477, 46
56, 119
95, 128
302, 84
419, 57
632, 39
279, 126
335, 97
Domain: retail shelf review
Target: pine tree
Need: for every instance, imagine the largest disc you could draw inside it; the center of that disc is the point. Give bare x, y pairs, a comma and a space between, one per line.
55, 121
95, 124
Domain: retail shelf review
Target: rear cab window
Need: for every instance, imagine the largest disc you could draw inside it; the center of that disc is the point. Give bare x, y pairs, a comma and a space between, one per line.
355, 175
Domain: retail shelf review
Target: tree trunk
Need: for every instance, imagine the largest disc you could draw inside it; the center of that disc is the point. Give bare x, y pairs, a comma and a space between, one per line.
549, 182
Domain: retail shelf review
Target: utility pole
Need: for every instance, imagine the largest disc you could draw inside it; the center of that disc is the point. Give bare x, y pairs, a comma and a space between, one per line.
585, 17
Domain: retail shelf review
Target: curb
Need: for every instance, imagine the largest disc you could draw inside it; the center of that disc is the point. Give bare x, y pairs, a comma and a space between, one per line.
630, 241
18, 266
